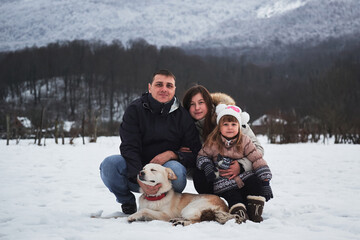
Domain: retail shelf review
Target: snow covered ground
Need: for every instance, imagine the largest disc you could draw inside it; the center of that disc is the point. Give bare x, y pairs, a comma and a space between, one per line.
50, 192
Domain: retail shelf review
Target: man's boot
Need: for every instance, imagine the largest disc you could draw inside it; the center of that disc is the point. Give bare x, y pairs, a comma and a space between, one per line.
255, 208
129, 208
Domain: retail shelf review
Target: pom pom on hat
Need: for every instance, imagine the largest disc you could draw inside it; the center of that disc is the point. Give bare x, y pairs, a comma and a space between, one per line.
220, 107
245, 117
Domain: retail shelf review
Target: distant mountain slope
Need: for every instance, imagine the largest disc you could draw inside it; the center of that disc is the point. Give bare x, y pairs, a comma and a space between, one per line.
314, 21
188, 23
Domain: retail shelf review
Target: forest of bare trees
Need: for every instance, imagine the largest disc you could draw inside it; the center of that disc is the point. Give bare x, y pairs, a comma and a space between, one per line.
90, 84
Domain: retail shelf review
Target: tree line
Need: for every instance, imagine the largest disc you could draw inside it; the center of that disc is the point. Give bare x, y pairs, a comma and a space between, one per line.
92, 82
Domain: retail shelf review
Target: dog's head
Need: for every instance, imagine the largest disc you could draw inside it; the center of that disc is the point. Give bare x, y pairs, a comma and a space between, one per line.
153, 174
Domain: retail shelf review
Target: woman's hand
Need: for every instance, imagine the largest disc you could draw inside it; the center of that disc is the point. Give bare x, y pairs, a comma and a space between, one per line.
232, 172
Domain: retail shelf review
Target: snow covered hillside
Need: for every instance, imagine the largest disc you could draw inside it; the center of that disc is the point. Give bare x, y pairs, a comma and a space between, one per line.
187, 23
287, 22
50, 192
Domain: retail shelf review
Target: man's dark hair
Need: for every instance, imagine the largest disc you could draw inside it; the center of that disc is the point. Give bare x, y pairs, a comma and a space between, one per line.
163, 72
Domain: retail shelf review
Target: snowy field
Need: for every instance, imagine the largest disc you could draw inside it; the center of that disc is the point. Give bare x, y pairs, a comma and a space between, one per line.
50, 193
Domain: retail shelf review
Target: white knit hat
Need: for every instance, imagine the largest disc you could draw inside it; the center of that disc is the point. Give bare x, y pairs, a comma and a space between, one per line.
223, 109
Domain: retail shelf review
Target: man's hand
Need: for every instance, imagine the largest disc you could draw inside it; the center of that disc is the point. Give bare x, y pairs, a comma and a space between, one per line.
149, 190
164, 157
232, 172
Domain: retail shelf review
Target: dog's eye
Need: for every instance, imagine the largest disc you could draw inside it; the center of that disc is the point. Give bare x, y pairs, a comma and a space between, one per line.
153, 170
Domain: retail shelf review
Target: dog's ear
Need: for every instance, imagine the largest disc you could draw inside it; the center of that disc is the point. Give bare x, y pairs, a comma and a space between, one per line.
171, 174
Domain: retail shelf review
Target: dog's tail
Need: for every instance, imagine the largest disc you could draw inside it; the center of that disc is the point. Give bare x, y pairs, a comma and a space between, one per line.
218, 216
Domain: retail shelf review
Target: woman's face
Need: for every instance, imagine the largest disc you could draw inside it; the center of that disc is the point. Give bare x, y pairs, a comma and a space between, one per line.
198, 108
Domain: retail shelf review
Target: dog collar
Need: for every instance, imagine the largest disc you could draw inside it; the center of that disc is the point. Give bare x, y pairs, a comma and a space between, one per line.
155, 198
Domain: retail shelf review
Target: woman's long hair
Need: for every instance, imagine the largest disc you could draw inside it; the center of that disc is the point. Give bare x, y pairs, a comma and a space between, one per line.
214, 138
209, 125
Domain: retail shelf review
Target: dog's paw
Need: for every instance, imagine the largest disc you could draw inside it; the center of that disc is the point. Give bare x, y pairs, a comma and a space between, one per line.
238, 219
134, 217
180, 221
131, 219
176, 219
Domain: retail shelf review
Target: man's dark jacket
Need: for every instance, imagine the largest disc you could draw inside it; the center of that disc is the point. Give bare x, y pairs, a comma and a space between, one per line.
150, 128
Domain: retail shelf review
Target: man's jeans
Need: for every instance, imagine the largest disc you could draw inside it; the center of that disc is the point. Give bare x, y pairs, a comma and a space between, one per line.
113, 172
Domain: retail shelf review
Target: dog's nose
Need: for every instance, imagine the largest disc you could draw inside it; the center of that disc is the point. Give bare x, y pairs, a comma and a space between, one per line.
142, 175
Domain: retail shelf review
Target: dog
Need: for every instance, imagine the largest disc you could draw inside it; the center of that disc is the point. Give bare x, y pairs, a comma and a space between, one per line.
179, 209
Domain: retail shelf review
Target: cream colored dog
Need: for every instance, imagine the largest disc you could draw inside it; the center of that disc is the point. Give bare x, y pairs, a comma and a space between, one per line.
180, 209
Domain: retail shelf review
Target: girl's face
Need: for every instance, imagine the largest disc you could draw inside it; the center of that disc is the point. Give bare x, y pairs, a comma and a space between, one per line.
198, 108
229, 129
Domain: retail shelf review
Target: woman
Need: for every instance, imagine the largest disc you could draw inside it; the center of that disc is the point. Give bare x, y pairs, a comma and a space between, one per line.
201, 106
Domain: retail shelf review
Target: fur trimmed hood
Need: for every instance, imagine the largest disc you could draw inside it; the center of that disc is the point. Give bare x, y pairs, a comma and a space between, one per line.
219, 97
222, 98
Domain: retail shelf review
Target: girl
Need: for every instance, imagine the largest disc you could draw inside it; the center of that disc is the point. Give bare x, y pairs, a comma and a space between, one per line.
224, 144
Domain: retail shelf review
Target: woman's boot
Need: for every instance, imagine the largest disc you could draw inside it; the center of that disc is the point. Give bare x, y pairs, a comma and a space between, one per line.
255, 208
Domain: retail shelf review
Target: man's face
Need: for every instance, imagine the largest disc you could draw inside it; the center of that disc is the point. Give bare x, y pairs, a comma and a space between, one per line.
162, 88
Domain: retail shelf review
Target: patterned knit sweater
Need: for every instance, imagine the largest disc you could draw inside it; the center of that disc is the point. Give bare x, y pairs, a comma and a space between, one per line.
209, 155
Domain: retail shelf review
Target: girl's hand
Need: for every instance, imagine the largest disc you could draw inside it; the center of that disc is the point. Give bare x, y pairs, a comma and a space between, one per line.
232, 172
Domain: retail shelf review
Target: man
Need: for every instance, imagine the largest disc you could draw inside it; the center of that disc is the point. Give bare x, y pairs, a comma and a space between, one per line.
153, 129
